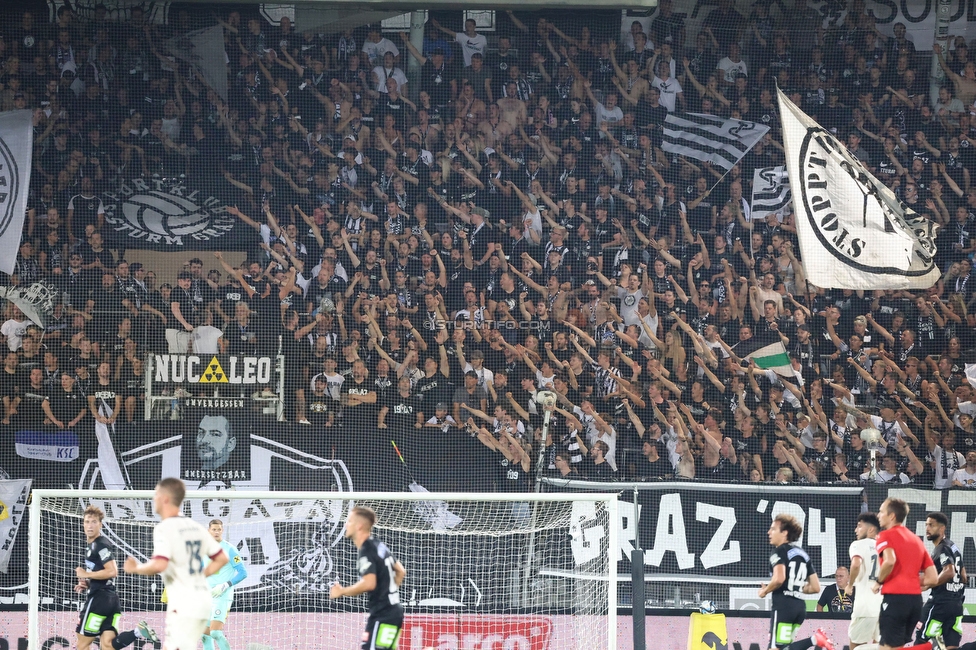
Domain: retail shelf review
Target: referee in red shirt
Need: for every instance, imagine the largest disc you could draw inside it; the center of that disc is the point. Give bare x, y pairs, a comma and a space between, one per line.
903, 557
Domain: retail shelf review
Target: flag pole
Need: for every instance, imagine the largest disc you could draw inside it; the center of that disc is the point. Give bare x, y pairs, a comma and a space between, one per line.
721, 178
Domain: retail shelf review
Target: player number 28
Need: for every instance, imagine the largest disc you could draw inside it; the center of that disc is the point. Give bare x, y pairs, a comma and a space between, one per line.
196, 562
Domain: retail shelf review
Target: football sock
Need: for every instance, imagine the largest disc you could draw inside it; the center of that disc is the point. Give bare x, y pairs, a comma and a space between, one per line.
124, 639
208, 643
222, 642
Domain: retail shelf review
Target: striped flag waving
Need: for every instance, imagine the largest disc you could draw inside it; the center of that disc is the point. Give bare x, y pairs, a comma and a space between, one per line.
770, 191
708, 138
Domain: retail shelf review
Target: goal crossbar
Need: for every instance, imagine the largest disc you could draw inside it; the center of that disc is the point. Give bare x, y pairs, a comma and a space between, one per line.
38, 497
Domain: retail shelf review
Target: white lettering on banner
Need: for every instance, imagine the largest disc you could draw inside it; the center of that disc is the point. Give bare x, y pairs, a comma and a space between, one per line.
628, 514
825, 538
669, 534
264, 370
193, 369
715, 554
960, 527
585, 532
191, 374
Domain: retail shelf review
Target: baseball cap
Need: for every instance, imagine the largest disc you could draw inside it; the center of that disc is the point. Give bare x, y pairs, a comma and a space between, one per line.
442, 406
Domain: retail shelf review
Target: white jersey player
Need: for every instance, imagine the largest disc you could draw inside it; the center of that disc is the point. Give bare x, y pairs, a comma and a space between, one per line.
179, 548
864, 569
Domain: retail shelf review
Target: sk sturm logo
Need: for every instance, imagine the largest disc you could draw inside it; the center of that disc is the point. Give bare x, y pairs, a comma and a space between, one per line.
772, 178
167, 212
741, 129
9, 186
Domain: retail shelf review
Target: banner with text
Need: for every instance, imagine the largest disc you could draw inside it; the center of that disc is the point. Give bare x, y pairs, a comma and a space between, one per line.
175, 214
717, 533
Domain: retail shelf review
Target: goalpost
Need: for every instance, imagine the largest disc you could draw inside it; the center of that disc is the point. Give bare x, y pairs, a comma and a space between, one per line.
516, 571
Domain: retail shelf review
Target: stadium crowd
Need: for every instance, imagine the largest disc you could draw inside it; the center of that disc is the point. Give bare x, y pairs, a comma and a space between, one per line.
427, 260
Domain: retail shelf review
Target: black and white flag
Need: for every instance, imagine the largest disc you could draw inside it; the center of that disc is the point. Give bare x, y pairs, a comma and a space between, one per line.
16, 149
770, 192
36, 300
722, 142
204, 49
854, 232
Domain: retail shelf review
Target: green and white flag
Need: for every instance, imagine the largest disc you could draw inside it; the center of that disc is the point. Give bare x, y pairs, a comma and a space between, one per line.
768, 353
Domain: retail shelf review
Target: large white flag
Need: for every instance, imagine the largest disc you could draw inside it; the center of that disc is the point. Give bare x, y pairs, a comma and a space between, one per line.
204, 49
708, 138
16, 149
770, 191
854, 233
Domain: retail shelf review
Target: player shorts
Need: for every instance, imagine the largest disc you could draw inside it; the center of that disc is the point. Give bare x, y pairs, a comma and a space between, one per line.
382, 633
101, 613
221, 606
864, 629
941, 618
788, 616
183, 632
899, 616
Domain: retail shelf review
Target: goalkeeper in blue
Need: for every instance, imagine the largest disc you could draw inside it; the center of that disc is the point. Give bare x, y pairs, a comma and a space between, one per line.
222, 589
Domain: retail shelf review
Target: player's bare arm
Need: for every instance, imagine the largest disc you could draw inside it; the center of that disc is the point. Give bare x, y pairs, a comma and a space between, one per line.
109, 571
399, 573
855, 571
930, 578
155, 566
813, 584
365, 584
888, 560
779, 577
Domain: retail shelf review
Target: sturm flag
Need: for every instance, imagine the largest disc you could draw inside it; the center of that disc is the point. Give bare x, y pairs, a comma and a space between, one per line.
204, 49
169, 214
854, 232
36, 300
707, 138
768, 352
16, 149
770, 192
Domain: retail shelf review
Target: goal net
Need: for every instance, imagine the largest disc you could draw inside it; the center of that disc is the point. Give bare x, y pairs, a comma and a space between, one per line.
520, 572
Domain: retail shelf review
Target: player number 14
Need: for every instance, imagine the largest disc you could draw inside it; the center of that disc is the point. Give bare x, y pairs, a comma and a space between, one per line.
394, 590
